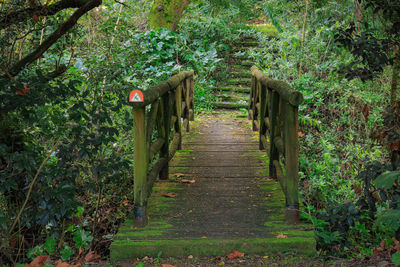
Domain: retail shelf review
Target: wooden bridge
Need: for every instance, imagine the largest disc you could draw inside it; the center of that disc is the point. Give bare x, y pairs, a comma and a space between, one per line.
228, 183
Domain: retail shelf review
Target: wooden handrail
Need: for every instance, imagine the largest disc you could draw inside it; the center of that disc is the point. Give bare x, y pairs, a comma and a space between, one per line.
167, 107
274, 113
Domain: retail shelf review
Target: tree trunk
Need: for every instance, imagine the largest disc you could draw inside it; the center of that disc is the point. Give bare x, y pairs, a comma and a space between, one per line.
166, 13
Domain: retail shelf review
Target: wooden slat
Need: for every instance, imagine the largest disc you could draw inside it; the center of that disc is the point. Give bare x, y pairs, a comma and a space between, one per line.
155, 148
174, 145
278, 141
154, 173
256, 125
185, 124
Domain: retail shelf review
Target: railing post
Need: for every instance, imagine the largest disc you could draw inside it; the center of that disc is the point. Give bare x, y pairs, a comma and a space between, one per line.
274, 131
263, 113
292, 161
188, 102
252, 98
178, 106
191, 94
165, 131
140, 165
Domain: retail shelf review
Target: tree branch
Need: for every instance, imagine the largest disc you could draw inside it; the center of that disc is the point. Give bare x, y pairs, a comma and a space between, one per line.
14, 70
8, 19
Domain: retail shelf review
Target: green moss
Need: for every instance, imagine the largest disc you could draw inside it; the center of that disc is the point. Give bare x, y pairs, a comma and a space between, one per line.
128, 249
133, 234
267, 29
165, 13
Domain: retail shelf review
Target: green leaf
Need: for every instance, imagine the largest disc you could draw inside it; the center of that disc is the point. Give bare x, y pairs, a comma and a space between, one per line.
50, 245
66, 253
390, 219
387, 180
396, 258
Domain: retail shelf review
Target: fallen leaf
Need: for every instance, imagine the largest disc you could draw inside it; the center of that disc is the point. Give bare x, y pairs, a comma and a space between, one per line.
61, 263
92, 257
221, 264
167, 265
77, 265
125, 202
178, 175
168, 194
38, 261
188, 181
23, 91
396, 244
281, 236
203, 236
235, 254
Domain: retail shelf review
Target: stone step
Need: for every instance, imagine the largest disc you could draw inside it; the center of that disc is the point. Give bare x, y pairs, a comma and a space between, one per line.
240, 74
229, 105
240, 81
234, 89
232, 98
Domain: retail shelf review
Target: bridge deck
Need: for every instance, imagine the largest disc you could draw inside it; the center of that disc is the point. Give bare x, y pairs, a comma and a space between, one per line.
231, 205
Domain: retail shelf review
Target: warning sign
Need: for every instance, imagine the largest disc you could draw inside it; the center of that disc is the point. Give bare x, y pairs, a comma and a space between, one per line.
136, 96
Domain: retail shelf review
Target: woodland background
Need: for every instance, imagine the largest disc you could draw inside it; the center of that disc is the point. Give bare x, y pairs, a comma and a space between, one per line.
66, 67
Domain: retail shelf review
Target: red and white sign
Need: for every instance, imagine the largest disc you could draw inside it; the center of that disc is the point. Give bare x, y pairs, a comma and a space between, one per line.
136, 96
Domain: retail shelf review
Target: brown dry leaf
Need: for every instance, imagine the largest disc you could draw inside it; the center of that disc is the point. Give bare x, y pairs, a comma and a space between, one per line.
186, 181
396, 244
61, 263
168, 194
167, 265
77, 265
92, 257
178, 175
281, 236
38, 261
235, 254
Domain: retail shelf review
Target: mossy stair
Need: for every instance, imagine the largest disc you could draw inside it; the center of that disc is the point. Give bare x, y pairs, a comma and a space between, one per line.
238, 80
232, 204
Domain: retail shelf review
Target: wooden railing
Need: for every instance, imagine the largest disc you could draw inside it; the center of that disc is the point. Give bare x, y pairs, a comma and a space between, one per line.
159, 114
274, 112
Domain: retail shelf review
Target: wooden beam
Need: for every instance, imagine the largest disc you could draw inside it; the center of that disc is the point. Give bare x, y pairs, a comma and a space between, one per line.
140, 160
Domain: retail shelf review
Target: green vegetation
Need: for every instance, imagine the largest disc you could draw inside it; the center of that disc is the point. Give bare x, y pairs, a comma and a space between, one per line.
66, 149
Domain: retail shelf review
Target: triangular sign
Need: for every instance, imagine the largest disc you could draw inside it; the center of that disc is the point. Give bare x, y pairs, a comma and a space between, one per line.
136, 98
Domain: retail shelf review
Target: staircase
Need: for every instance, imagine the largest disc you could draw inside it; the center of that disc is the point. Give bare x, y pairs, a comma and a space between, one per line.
233, 93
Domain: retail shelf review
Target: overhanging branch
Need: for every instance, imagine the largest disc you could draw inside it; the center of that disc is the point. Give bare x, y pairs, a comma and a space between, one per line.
14, 70
7, 19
